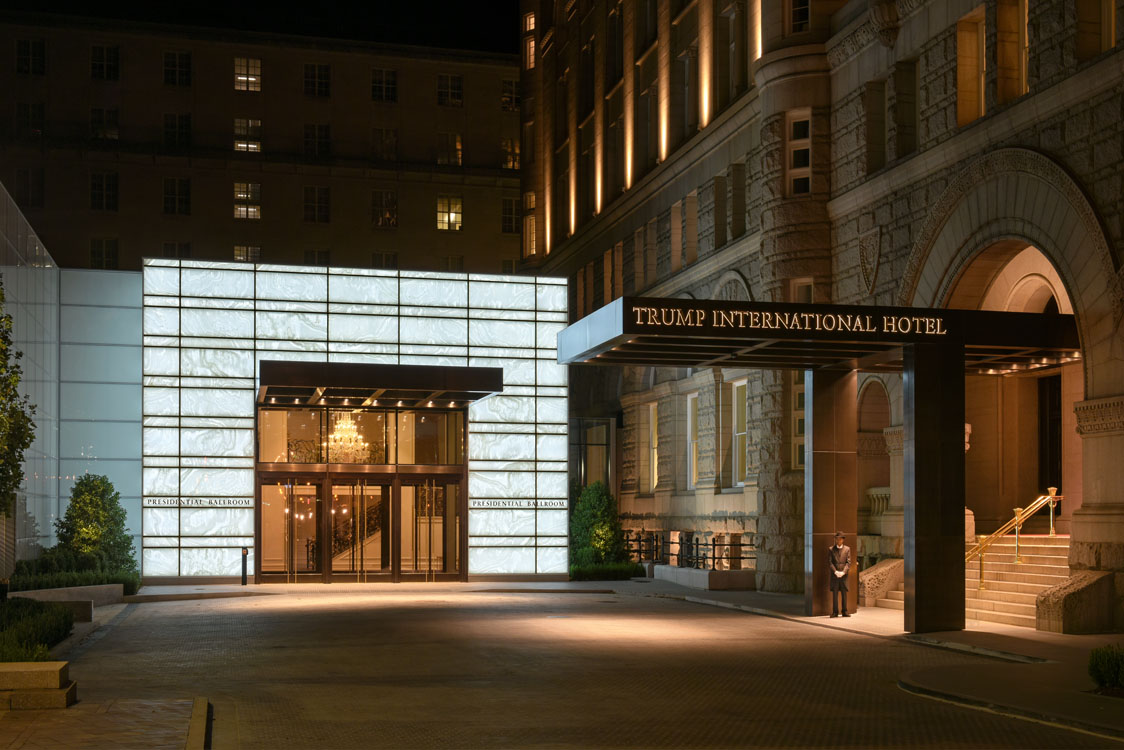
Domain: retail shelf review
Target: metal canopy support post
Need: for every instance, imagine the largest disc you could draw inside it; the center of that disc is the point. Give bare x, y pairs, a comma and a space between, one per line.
933, 446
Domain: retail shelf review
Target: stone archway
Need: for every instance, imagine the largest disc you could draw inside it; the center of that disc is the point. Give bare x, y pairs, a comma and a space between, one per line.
998, 205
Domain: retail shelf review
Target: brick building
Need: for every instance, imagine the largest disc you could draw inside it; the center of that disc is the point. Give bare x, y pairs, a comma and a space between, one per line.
871, 152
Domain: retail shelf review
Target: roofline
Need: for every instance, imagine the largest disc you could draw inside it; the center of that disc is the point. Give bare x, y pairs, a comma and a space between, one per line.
212, 34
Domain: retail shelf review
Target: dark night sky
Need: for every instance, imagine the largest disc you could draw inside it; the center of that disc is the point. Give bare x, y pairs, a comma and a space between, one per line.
485, 25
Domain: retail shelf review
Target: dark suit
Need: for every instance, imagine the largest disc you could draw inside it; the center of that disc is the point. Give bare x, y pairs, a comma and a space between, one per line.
838, 558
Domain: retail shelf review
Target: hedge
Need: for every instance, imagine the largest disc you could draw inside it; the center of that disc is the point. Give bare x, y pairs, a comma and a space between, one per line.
1106, 667
62, 579
620, 571
28, 628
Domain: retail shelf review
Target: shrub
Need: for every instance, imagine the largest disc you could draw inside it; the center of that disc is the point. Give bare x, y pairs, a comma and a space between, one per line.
1106, 667
94, 524
17, 429
62, 578
28, 628
596, 535
617, 571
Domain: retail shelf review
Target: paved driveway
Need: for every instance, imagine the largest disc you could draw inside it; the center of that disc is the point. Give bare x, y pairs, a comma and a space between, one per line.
461, 666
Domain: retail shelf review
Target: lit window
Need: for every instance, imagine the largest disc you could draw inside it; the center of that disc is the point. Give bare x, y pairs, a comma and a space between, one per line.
528, 235
317, 80
384, 260
247, 200
247, 135
105, 63
31, 56
449, 149
177, 68
177, 249
247, 74
449, 212
103, 123
800, 14
692, 440
103, 191
247, 253
177, 196
384, 85
653, 446
738, 423
799, 163
529, 53
509, 95
529, 22
384, 208
317, 206
970, 67
509, 223
450, 90
510, 149
1096, 28
103, 253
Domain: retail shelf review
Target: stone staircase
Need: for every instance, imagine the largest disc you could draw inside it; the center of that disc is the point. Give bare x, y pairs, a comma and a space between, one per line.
1010, 588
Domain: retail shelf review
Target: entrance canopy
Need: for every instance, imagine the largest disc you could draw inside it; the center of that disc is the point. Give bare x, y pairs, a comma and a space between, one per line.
360, 384
663, 332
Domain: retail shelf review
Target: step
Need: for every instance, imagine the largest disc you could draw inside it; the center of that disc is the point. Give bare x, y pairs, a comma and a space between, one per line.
1014, 567
891, 603
1016, 577
1025, 557
30, 699
1025, 550
989, 605
991, 584
1037, 540
898, 594
21, 675
1016, 597
1002, 617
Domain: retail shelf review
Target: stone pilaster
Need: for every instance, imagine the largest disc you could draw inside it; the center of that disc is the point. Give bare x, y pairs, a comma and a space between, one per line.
1097, 541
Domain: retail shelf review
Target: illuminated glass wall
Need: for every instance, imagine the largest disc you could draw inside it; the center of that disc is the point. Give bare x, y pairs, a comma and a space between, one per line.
206, 327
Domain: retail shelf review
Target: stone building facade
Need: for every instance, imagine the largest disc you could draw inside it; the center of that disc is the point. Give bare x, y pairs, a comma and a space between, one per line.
883, 152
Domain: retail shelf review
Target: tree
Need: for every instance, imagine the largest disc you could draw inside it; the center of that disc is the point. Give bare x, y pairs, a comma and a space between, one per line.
94, 524
596, 535
17, 430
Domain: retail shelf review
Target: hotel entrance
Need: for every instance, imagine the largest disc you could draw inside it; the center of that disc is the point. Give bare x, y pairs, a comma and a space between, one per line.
361, 484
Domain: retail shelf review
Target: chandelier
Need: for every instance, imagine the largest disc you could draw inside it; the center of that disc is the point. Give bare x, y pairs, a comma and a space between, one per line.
345, 444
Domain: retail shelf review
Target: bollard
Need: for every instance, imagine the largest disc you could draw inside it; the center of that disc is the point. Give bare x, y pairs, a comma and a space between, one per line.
245, 557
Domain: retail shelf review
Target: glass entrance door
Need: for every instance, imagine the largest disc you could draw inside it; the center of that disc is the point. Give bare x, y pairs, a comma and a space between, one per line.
360, 528
429, 529
290, 520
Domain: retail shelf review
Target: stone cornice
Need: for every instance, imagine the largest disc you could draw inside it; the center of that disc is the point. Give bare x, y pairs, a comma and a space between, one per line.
1100, 416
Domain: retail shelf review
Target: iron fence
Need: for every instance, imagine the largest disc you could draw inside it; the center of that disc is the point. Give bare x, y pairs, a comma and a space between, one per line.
692, 553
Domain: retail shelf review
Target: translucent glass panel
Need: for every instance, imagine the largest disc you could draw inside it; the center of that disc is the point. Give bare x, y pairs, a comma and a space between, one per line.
206, 325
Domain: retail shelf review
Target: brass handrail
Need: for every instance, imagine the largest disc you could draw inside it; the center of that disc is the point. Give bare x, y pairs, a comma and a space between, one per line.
1016, 523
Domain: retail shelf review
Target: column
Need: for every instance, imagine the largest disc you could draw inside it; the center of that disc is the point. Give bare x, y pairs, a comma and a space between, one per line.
830, 490
933, 448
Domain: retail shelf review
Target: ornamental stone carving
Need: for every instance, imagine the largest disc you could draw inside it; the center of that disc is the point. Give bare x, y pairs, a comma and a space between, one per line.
870, 253
871, 444
884, 20
1100, 416
894, 439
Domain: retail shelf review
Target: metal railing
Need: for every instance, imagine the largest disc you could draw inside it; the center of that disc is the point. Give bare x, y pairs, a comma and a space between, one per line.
693, 553
1016, 524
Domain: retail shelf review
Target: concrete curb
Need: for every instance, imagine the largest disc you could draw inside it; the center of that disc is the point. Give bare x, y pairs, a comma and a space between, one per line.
149, 598
1097, 730
197, 728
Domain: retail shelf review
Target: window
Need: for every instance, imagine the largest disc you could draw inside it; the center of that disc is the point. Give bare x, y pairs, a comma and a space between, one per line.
453, 263
738, 443
529, 22
247, 200
247, 74
384, 144
317, 140
653, 446
510, 149
317, 257
177, 68
692, 440
316, 204
105, 63
509, 223
177, 249
529, 53
247, 253
247, 135
874, 114
449, 149
177, 131
384, 85
384, 208
1010, 49
103, 253
177, 196
450, 90
31, 56
509, 95
797, 412
103, 123
507, 266
528, 235
1096, 27
449, 212
906, 114
30, 119
799, 16
317, 80
103, 191
29, 188
799, 153
384, 260
970, 67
